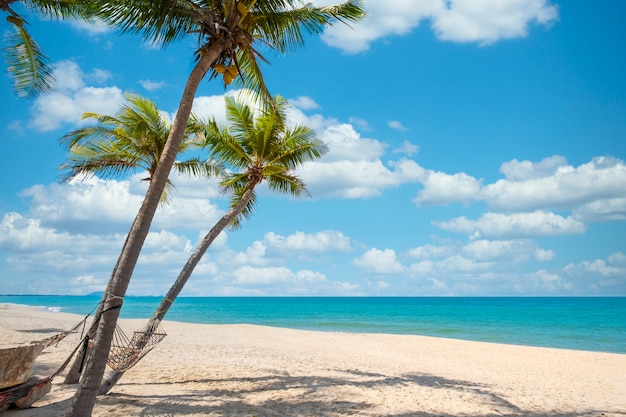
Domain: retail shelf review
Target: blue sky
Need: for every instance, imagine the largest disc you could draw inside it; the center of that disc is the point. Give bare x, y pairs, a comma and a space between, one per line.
476, 148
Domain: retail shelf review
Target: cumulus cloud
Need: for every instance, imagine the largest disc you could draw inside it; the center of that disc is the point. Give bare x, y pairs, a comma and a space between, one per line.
451, 261
441, 188
552, 184
304, 103
543, 282
482, 22
353, 167
357, 179
407, 148
324, 241
379, 262
506, 250
78, 206
276, 280
527, 170
614, 266
499, 225
346, 144
432, 251
210, 106
544, 198
72, 97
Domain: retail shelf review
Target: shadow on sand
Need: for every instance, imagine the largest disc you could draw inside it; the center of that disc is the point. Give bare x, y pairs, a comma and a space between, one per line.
313, 397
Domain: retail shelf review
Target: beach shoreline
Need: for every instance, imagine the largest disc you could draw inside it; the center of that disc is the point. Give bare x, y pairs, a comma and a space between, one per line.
252, 370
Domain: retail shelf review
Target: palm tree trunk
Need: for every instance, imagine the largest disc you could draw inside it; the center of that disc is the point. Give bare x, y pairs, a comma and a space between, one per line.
84, 353
84, 400
113, 376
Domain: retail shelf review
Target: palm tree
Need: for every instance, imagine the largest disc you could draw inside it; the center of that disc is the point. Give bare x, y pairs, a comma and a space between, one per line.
131, 140
265, 150
227, 33
26, 62
117, 145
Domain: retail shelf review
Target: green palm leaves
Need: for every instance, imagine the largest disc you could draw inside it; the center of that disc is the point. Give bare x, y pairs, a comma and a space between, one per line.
26, 62
131, 140
265, 148
236, 28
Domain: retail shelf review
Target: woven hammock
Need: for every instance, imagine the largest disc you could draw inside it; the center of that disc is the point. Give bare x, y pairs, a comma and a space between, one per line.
125, 353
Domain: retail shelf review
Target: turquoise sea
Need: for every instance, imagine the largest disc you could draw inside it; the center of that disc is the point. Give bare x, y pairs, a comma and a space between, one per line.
595, 324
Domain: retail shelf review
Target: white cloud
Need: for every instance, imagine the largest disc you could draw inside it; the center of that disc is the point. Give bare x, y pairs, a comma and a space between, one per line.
489, 21
152, 85
379, 262
498, 225
356, 179
304, 103
527, 170
543, 282
345, 144
441, 188
407, 148
614, 266
254, 255
78, 206
92, 27
558, 186
210, 106
271, 276
324, 241
100, 76
360, 123
506, 250
432, 251
72, 97
609, 209
394, 124
480, 21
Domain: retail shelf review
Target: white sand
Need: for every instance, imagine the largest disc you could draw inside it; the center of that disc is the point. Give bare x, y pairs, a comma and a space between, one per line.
245, 370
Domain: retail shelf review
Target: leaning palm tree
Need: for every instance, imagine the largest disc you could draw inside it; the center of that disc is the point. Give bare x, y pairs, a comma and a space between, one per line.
265, 149
26, 62
228, 32
132, 140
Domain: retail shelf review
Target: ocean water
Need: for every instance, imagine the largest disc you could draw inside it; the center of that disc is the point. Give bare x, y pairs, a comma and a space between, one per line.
595, 324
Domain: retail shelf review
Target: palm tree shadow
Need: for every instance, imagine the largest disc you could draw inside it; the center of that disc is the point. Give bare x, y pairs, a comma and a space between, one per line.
312, 397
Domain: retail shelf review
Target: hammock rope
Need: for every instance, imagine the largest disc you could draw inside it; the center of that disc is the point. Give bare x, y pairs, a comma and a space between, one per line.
10, 395
125, 352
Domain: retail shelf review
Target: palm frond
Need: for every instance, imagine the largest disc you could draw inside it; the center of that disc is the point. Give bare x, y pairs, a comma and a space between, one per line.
79, 9
246, 211
157, 21
107, 160
286, 183
282, 28
199, 168
26, 63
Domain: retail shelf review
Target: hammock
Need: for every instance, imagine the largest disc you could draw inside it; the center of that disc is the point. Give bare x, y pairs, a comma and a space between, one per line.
125, 353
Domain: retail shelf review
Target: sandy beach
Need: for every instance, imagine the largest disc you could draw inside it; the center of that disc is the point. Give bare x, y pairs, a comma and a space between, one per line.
246, 370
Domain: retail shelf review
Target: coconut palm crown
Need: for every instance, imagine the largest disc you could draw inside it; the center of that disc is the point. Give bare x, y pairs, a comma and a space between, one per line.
260, 149
131, 140
235, 27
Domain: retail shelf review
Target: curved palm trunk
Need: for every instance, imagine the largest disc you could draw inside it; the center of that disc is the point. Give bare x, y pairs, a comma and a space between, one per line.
113, 376
84, 400
84, 353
